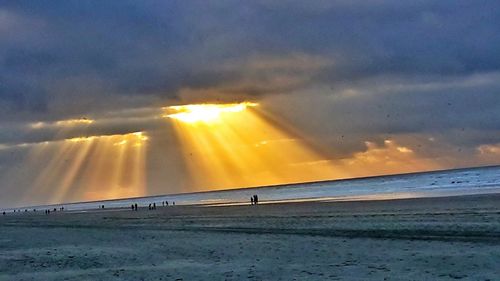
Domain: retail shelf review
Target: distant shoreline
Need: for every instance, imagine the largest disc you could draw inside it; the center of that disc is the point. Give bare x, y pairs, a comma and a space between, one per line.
288, 203
257, 188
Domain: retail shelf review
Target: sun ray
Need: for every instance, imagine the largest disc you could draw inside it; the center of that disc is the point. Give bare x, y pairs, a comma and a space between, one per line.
138, 173
46, 179
72, 171
231, 145
95, 167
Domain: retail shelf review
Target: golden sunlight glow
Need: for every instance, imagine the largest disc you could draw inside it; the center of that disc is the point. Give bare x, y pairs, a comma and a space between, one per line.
140, 136
80, 139
203, 147
91, 168
206, 113
70, 122
62, 123
233, 145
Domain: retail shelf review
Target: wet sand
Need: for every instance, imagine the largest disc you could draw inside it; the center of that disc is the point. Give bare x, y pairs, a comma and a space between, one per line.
446, 238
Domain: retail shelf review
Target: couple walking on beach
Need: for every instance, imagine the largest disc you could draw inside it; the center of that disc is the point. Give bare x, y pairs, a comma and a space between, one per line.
254, 200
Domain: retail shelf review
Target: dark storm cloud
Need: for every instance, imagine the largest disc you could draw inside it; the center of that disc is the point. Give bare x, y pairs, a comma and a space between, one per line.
460, 111
59, 59
21, 134
157, 47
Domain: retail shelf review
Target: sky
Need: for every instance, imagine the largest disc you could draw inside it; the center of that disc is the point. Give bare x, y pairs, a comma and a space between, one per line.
341, 89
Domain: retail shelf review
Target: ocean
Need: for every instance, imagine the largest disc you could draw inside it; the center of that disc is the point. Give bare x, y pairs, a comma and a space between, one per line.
482, 180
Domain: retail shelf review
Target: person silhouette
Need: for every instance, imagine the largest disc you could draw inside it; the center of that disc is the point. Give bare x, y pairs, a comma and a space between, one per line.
135, 205
251, 200
154, 206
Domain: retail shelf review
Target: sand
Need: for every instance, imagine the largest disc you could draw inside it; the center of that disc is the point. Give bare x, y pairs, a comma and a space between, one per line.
413, 239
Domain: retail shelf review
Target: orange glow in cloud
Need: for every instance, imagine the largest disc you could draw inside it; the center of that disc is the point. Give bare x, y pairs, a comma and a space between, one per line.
62, 123
231, 146
389, 158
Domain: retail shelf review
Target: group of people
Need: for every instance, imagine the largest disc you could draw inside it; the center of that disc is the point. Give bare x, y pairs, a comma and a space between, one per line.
254, 200
54, 210
47, 211
165, 203
152, 206
133, 207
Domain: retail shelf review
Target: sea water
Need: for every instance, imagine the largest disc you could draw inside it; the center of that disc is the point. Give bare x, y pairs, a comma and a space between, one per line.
468, 181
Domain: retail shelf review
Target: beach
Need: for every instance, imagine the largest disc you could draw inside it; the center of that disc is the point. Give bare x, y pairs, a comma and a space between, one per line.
445, 238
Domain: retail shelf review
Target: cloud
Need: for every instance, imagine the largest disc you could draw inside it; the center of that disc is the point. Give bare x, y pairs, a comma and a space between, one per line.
343, 73
460, 111
112, 123
386, 159
162, 49
256, 76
